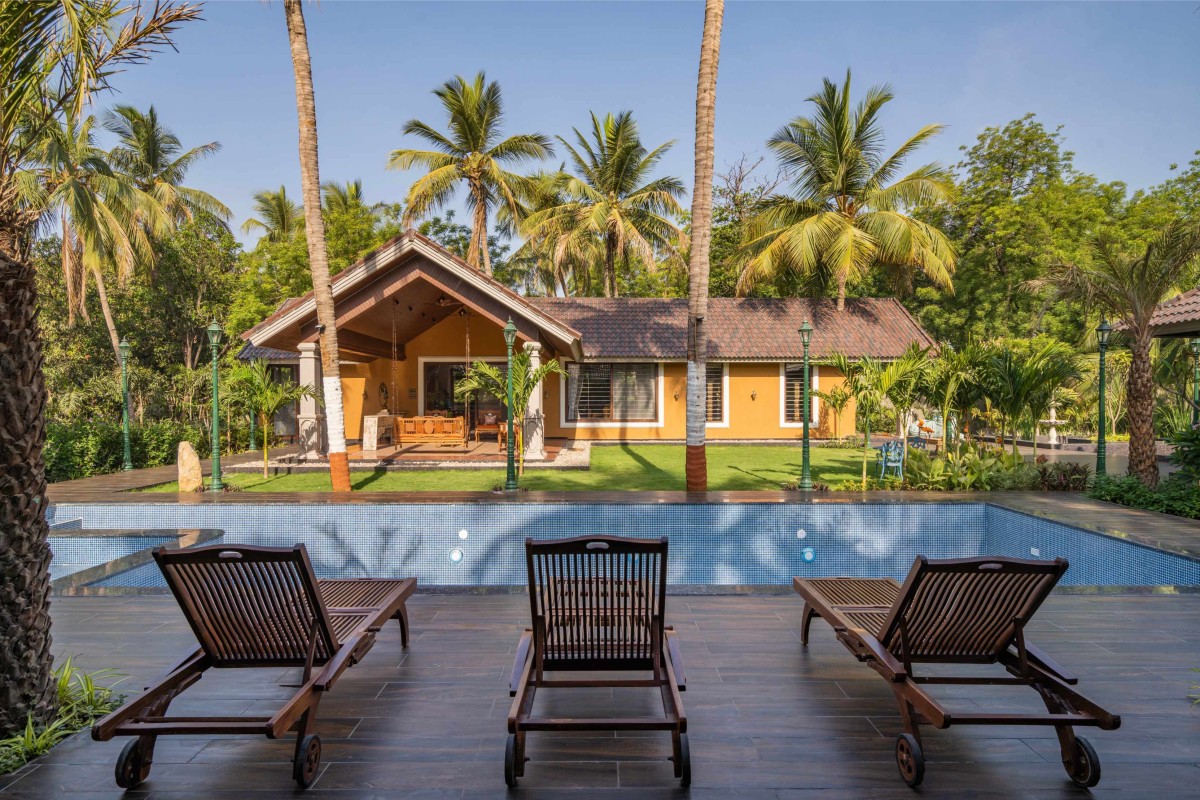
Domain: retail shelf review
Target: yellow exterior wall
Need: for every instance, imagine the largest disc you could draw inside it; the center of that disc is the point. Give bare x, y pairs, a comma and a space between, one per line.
750, 417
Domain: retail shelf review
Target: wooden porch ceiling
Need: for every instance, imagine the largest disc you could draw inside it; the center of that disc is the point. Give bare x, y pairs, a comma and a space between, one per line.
412, 299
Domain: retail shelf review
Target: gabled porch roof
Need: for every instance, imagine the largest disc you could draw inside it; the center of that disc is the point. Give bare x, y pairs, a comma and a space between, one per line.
402, 289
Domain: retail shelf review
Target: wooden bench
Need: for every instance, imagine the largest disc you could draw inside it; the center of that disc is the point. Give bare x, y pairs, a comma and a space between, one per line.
430, 430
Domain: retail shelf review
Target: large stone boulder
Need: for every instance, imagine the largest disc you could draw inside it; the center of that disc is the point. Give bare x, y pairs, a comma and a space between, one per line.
191, 479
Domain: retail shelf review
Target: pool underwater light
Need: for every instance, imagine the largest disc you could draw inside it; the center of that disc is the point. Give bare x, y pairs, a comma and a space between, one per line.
463, 534
800, 534
456, 556
808, 554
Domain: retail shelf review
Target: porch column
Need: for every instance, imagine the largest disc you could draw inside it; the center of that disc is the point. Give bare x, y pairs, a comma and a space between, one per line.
311, 421
535, 439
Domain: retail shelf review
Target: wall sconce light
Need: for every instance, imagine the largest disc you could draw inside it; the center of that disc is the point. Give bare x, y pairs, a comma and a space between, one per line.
754, 394
677, 395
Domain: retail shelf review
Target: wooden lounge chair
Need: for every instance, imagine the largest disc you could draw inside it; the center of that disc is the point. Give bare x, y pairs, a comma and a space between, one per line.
958, 611
257, 607
597, 604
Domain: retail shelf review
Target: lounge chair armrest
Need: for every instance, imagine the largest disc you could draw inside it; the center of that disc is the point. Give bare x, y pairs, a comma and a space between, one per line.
673, 653
523, 646
349, 654
1043, 660
867, 648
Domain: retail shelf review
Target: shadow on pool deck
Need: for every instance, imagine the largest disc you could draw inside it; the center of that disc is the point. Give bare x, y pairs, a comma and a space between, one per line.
767, 718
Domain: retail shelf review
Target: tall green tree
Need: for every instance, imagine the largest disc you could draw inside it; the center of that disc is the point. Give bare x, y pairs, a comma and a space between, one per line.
1021, 384
1127, 282
279, 217
700, 246
612, 199
472, 153
54, 56
850, 213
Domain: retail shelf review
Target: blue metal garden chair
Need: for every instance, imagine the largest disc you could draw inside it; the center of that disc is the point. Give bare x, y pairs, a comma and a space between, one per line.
891, 459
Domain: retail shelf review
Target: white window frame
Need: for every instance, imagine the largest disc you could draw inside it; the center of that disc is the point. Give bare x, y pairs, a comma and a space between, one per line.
724, 398
659, 390
814, 409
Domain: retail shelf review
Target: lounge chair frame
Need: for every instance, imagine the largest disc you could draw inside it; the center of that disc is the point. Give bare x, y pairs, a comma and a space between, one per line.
597, 604
958, 611
256, 607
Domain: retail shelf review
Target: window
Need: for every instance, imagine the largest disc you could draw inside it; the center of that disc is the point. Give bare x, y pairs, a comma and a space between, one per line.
793, 393
714, 393
615, 392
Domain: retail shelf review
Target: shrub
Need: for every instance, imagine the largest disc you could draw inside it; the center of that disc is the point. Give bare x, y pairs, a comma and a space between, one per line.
1187, 453
1175, 495
83, 449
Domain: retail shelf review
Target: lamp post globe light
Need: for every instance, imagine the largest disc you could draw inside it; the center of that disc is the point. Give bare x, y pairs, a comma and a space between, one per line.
1194, 345
510, 336
806, 483
124, 348
1102, 334
214, 342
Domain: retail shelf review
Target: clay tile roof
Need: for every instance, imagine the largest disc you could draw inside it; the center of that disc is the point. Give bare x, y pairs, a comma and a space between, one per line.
738, 328
1180, 314
251, 353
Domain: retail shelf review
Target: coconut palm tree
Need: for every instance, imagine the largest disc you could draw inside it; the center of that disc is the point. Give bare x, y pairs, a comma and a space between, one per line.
278, 218
849, 213
1129, 285
611, 198
318, 254
492, 379
54, 56
701, 239
472, 153
107, 220
340, 198
153, 157
253, 386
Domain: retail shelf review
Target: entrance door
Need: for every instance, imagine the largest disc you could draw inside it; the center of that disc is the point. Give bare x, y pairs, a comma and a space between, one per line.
285, 420
440, 379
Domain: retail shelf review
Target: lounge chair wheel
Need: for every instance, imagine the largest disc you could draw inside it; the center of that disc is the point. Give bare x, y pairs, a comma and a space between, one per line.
910, 760
685, 762
308, 761
1086, 772
131, 767
510, 760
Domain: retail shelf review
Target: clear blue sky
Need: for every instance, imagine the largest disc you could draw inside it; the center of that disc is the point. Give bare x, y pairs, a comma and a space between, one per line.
1121, 77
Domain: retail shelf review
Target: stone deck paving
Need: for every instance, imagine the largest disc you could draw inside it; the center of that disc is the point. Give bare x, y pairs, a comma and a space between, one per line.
768, 719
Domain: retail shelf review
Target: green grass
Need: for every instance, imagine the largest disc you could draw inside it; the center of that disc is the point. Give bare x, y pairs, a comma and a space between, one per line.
624, 467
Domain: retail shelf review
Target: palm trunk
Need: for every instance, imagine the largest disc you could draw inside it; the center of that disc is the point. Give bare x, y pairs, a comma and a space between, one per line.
841, 293
266, 457
866, 452
610, 265
477, 255
318, 255
1143, 458
696, 463
109, 324
25, 658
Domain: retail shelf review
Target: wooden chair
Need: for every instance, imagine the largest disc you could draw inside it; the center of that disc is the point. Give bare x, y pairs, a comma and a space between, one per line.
597, 604
257, 607
958, 611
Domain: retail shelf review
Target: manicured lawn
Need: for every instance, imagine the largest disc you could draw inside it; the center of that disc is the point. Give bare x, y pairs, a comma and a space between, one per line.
642, 467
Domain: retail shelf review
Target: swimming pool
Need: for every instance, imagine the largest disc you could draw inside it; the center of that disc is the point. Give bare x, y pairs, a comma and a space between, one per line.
712, 545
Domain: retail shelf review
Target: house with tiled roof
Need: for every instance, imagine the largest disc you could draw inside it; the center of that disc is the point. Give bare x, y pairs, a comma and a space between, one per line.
411, 317
1179, 316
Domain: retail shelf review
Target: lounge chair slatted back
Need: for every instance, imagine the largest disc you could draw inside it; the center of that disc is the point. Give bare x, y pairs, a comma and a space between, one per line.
600, 599
966, 608
250, 605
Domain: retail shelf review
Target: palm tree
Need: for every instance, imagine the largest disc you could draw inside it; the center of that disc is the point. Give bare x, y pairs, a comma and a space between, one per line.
949, 377
491, 379
911, 368
697, 342
874, 384
849, 214
1021, 387
472, 152
340, 198
153, 157
107, 220
611, 198
1052, 368
54, 55
278, 218
253, 386
1129, 286
318, 255
836, 400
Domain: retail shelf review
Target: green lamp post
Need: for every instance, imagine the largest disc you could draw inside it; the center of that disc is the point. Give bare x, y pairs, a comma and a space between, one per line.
214, 342
806, 483
1102, 334
124, 348
510, 336
1195, 347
